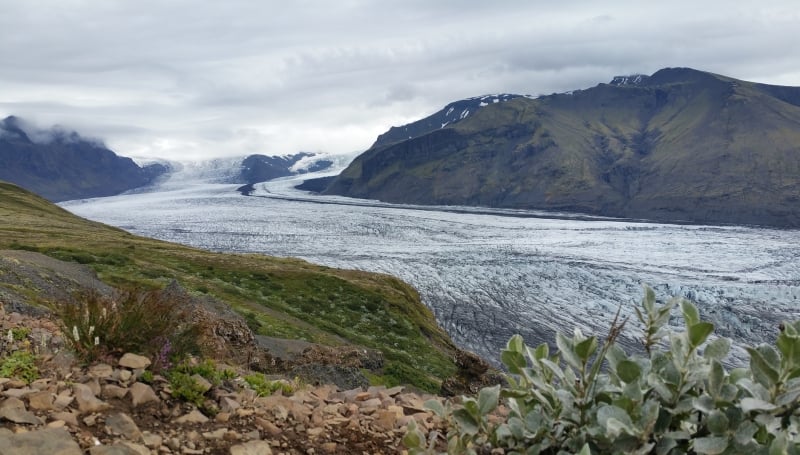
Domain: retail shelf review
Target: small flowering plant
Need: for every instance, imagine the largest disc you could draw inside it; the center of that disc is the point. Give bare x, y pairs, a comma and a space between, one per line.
144, 322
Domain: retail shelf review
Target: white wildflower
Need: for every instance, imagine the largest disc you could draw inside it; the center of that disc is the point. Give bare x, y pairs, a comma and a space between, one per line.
91, 330
75, 333
96, 341
10, 336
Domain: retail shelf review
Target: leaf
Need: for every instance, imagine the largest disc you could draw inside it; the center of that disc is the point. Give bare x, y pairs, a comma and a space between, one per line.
585, 450
711, 445
615, 420
763, 372
487, 399
699, 332
790, 348
628, 370
435, 406
754, 404
413, 437
567, 351
716, 378
649, 301
542, 351
514, 361
717, 349
586, 348
690, 314
744, 434
516, 344
779, 445
717, 422
466, 423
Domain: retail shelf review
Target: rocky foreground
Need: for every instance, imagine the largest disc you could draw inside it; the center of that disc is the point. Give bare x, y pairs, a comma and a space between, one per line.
115, 408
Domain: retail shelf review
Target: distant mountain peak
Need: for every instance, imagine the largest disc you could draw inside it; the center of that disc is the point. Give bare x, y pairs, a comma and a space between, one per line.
633, 79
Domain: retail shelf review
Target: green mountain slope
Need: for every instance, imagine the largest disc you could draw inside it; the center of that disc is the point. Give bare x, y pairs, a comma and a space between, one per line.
680, 145
289, 298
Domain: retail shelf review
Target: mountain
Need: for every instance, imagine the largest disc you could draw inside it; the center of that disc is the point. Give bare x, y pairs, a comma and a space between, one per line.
61, 165
678, 145
260, 168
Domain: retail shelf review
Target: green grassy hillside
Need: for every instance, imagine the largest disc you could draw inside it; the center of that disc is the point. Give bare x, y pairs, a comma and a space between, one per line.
290, 298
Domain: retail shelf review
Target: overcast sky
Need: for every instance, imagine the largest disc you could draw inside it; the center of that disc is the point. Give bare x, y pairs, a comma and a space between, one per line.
197, 79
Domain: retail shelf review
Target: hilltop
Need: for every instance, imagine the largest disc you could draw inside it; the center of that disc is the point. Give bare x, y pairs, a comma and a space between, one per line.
681, 145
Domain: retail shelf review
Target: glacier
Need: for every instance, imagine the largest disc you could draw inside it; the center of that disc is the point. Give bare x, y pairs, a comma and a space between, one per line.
488, 274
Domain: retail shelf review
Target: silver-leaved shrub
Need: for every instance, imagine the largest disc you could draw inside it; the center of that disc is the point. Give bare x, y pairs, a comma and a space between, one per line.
594, 398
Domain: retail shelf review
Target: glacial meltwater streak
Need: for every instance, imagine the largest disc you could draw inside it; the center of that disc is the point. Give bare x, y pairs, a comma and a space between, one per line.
490, 274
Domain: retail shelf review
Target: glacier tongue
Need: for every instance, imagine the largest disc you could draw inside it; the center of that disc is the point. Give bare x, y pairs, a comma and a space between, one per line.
487, 275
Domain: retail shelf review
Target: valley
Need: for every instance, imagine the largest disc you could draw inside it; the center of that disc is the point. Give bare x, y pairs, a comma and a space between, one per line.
489, 274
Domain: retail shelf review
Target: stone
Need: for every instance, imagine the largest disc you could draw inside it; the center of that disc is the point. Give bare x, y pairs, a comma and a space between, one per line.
17, 392
87, 401
41, 384
227, 404
386, 419
116, 449
216, 434
56, 424
94, 385
51, 441
70, 418
329, 447
252, 448
202, 383
114, 391
134, 361
101, 370
13, 403
193, 417
63, 399
17, 415
142, 393
269, 427
122, 424
41, 401
151, 440
315, 432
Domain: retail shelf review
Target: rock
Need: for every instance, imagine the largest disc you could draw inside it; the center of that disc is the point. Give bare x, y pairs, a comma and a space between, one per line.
17, 392
202, 383
252, 448
13, 403
87, 401
142, 393
122, 424
216, 434
329, 447
227, 404
116, 449
63, 400
70, 418
269, 427
386, 419
101, 370
50, 441
134, 362
17, 415
41, 401
114, 391
151, 440
193, 417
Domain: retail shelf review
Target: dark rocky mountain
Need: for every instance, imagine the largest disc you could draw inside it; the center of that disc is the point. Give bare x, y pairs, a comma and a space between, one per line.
451, 114
679, 145
60, 165
260, 168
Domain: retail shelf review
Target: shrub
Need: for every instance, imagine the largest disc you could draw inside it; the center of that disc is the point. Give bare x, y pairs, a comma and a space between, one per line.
593, 398
19, 365
149, 323
264, 387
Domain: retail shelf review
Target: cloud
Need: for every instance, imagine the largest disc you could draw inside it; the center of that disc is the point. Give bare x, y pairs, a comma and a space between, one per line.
183, 80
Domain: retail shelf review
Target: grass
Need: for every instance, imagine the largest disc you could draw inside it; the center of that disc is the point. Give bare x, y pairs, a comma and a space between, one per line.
288, 298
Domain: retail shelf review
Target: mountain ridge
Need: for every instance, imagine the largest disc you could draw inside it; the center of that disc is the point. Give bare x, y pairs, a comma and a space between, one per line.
678, 145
